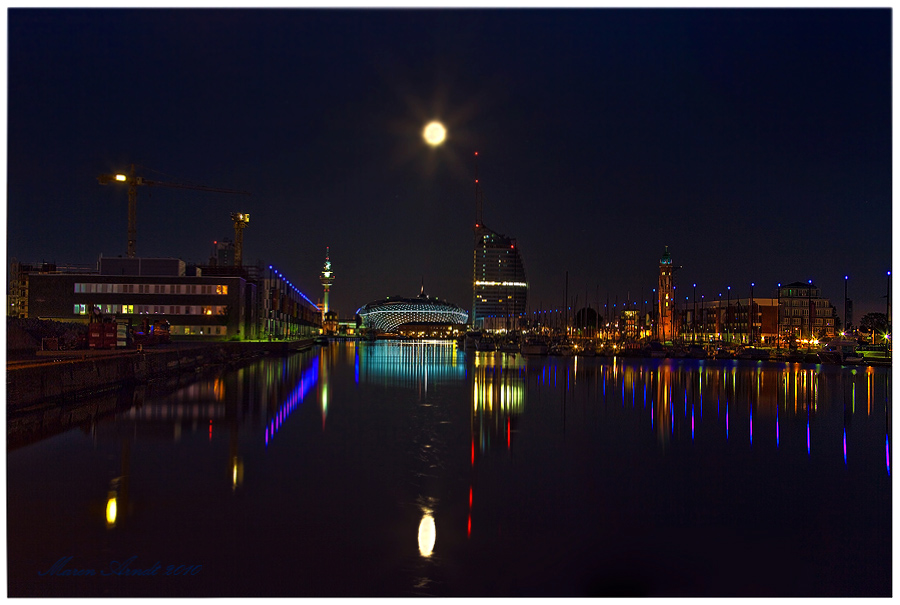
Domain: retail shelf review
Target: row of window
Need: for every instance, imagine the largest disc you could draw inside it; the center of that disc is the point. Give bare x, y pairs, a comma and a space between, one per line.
197, 330
804, 312
803, 302
796, 321
90, 288
142, 309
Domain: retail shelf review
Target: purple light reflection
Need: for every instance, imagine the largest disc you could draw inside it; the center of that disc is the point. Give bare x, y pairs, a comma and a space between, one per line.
845, 447
307, 381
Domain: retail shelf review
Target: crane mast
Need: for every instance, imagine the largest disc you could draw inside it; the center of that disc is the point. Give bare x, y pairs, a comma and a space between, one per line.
240, 219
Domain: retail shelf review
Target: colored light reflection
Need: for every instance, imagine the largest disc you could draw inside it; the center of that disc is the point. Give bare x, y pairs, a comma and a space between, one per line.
887, 454
427, 534
845, 447
777, 434
307, 381
111, 510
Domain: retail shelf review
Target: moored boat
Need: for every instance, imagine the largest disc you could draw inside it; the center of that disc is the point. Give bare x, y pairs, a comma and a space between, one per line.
655, 349
535, 346
562, 349
485, 343
753, 353
509, 346
840, 351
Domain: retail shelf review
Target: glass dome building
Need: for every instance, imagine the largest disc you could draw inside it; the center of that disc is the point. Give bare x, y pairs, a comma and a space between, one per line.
389, 314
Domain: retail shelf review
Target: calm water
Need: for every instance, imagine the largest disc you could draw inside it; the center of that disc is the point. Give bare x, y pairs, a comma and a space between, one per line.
419, 469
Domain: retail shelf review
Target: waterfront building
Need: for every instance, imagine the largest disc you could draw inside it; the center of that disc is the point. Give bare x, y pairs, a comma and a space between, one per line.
499, 284
196, 306
803, 313
330, 322
287, 313
19, 280
423, 313
500, 289
738, 321
201, 308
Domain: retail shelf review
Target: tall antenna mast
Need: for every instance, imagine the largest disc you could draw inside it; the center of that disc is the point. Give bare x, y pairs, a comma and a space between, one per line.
479, 198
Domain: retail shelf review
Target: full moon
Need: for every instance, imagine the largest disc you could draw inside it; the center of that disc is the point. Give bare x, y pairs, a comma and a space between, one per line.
434, 134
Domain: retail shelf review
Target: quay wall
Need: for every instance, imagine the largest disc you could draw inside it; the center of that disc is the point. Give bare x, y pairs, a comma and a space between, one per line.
84, 374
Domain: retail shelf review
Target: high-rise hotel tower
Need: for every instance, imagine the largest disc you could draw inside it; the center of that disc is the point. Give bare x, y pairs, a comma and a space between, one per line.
500, 288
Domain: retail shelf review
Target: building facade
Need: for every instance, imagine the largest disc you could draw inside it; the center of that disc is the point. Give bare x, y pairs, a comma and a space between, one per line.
739, 321
803, 313
197, 308
20, 277
233, 304
285, 312
425, 313
500, 287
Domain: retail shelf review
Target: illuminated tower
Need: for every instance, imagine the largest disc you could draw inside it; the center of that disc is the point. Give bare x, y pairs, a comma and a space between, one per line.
666, 301
327, 278
499, 287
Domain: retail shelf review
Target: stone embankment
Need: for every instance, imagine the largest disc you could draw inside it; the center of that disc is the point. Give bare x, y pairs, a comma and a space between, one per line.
74, 374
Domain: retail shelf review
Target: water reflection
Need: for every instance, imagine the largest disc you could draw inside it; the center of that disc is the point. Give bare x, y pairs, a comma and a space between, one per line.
410, 363
427, 533
308, 379
536, 442
111, 510
759, 397
498, 400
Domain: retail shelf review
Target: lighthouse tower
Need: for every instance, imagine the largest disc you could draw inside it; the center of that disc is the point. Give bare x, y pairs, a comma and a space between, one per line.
666, 300
327, 278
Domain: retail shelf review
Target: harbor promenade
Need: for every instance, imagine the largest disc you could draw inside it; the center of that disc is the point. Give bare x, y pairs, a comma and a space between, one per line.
67, 375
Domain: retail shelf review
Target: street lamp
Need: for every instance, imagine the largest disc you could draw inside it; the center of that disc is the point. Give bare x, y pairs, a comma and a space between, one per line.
750, 314
718, 314
846, 277
887, 317
727, 313
694, 316
809, 310
703, 326
778, 319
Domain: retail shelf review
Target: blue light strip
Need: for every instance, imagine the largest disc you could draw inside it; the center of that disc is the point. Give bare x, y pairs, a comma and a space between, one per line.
293, 287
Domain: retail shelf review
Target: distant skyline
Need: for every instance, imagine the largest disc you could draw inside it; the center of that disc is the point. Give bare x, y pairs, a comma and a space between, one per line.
755, 143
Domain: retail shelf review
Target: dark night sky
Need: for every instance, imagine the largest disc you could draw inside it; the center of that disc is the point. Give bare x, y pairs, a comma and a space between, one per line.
756, 144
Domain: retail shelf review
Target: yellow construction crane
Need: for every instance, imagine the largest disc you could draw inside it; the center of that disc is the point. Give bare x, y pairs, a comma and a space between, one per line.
240, 221
134, 181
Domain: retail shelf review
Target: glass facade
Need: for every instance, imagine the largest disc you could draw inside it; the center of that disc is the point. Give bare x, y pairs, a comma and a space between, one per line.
500, 287
389, 314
